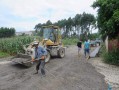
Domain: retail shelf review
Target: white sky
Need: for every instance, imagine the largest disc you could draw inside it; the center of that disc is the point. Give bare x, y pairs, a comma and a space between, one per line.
23, 15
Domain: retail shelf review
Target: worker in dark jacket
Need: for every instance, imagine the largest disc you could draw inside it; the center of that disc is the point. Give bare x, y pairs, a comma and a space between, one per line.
79, 45
40, 55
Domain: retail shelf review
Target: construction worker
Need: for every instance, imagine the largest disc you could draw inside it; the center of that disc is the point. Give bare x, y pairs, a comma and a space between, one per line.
79, 45
87, 48
40, 55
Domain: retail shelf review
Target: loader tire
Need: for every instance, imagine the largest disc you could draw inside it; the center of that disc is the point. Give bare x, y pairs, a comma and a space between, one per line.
47, 57
61, 52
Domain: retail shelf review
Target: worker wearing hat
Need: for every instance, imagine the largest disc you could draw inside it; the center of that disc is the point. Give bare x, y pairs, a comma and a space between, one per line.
40, 54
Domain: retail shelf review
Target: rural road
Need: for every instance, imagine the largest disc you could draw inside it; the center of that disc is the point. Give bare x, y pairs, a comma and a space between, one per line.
70, 73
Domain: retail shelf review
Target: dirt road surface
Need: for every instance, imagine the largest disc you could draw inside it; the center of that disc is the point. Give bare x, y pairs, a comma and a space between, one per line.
111, 72
70, 73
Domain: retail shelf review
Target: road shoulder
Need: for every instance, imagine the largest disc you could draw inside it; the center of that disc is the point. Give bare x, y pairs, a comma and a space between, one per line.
110, 72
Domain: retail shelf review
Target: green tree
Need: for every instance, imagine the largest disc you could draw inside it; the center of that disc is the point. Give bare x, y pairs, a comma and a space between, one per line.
108, 17
87, 20
37, 27
48, 22
80, 24
6, 32
77, 21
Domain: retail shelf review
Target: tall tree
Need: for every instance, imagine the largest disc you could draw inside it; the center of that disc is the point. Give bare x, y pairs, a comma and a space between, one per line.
77, 22
87, 20
108, 17
6, 32
38, 27
81, 22
48, 22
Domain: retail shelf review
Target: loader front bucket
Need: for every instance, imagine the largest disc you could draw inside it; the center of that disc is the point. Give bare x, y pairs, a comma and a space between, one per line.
23, 59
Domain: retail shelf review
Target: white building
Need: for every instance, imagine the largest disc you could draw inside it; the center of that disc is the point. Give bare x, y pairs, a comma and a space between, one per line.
25, 32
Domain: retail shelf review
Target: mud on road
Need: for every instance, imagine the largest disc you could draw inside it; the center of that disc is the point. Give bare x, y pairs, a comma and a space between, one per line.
69, 73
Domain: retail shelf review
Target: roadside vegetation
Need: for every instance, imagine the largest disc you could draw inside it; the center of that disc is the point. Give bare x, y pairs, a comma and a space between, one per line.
14, 44
111, 57
3, 54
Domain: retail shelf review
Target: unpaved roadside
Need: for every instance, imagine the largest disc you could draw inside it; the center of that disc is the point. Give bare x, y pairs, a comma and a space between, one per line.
70, 73
110, 72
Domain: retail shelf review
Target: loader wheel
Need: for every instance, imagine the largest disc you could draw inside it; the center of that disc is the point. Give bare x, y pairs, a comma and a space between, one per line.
61, 52
47, 57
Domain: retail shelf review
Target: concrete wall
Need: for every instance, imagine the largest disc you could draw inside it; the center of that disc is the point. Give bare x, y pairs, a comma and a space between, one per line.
106, 43
111, 44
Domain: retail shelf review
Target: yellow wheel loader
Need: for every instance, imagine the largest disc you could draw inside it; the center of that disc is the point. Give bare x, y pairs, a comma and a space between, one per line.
51, 41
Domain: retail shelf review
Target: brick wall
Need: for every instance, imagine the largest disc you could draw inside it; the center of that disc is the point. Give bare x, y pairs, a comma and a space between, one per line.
113, 44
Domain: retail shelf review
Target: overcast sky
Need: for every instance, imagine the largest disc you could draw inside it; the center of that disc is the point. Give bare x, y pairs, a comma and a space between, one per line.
23, 15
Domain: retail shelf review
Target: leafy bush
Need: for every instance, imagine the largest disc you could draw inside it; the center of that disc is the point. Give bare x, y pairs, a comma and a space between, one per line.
111, 57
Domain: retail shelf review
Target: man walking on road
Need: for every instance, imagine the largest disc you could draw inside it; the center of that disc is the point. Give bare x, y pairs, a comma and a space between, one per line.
79, 45
87, 49
40, 54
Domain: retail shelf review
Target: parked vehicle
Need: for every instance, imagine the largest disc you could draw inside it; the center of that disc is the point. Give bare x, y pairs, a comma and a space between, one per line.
93, 43
98, 41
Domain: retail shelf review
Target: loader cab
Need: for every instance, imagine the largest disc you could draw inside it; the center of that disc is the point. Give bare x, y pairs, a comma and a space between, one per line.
52, 33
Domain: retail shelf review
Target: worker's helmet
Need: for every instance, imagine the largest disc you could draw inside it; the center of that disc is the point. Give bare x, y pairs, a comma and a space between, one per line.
35, 43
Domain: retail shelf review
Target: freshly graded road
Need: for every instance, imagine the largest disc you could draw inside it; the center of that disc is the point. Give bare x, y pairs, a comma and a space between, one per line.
69, 73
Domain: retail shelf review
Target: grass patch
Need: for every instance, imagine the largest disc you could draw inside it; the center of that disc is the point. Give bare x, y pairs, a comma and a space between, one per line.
111, 57
70, 41
3, 54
